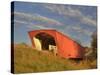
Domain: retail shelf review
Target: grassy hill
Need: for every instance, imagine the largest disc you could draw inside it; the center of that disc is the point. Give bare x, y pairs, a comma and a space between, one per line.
27, 59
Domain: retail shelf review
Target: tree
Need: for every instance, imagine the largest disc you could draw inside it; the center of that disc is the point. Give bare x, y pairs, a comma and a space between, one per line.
94, 45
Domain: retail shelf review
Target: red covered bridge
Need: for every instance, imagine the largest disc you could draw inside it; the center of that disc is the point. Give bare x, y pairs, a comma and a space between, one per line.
54, 40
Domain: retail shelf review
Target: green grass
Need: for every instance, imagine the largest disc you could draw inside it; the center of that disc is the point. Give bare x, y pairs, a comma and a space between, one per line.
27, 59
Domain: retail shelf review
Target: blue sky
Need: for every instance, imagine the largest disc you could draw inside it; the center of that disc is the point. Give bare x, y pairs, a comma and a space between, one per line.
77, 22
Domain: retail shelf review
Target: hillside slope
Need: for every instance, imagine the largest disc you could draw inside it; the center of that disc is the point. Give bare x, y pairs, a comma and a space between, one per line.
27, 59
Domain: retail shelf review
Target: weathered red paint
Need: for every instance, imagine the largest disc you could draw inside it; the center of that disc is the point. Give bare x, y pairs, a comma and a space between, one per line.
67, 47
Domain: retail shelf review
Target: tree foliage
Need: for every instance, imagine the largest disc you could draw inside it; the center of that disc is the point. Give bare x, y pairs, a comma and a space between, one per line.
94, 45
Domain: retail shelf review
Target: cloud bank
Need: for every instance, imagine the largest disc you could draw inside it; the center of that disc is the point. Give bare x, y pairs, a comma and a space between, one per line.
37, 17
68, 11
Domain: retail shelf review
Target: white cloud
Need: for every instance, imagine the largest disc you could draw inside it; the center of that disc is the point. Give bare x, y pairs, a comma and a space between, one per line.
89, 21
70, 12
82, 31
37, 17
63, 10
19, 21
31, 25
76, 29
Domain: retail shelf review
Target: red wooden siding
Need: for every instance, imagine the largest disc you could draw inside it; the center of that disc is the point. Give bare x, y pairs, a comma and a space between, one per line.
67, 47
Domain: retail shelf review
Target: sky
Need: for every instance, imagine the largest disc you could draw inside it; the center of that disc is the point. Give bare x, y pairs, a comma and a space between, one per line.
77, 22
